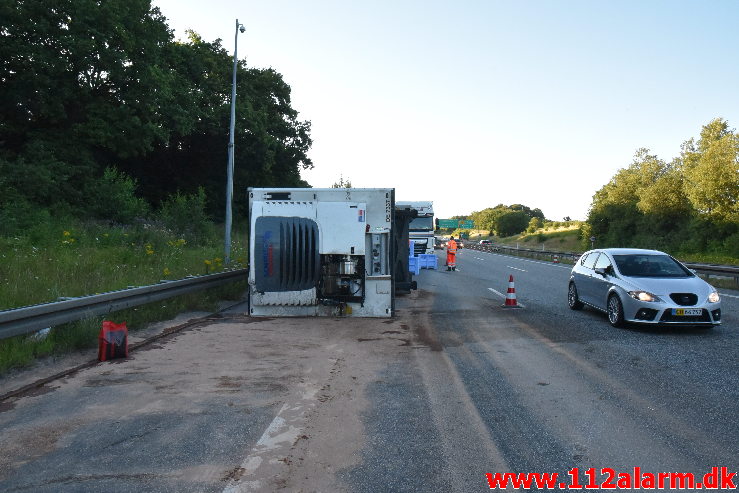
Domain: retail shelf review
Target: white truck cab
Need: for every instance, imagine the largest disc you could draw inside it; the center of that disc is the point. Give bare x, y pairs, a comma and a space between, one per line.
421, 229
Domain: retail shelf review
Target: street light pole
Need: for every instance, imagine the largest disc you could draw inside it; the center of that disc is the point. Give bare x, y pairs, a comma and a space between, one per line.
230, 168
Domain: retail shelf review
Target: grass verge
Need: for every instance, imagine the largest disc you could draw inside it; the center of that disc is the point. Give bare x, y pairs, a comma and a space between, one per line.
70, 259
557, 240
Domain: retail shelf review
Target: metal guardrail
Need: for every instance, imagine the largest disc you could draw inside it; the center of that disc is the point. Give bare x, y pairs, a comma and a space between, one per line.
29, 319
729, 271
721, 270
573, 256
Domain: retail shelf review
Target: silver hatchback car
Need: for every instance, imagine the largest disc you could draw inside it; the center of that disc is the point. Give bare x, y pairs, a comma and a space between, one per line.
642, 286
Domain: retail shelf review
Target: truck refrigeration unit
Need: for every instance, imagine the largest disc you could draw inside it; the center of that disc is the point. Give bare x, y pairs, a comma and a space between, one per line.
421, 229
321, 252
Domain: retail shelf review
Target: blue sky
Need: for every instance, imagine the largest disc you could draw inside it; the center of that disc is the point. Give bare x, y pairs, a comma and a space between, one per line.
475, 103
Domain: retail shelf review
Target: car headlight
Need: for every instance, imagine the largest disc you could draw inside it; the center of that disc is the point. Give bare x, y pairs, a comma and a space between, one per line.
714, 297
644, 296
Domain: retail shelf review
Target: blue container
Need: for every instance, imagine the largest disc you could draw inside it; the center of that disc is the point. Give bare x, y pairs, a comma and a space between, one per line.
414, 265
428, 261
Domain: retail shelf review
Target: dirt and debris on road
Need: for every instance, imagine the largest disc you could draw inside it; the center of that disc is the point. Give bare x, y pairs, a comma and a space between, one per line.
231, 404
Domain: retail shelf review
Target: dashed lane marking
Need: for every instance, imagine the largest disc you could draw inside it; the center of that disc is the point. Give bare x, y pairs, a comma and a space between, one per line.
516, 268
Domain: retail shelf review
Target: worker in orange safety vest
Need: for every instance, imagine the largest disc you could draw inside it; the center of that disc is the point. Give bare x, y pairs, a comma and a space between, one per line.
451, 254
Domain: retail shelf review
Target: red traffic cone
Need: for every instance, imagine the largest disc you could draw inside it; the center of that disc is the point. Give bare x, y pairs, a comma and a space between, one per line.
555, 259
510, 299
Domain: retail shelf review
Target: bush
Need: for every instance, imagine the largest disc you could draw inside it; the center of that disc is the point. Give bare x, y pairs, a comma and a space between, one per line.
731, 245
20, 216
113, 197
511, 223
185, 215
534, 224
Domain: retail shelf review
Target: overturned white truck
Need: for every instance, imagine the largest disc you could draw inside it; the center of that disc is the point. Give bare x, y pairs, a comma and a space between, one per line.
321, 252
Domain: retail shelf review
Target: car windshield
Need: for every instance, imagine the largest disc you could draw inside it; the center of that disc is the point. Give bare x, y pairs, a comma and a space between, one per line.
650, 266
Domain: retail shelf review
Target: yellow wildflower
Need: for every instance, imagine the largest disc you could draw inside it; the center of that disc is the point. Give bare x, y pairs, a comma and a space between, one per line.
208, 262
67, 233
166, 271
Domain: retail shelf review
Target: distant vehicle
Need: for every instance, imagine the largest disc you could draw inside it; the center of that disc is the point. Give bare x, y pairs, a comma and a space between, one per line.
642, 286
486, 242
439, 243
421, 229
445, 241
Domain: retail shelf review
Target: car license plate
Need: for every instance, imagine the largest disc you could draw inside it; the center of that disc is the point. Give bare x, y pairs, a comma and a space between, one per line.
687, 312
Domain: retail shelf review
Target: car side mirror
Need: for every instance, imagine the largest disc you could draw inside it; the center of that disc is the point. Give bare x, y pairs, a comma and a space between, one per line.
601, 271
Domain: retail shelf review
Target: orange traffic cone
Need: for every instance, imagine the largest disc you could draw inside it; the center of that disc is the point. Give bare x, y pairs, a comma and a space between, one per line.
510, 299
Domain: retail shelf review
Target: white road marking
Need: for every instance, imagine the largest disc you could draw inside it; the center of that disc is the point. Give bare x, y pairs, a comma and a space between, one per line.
728, 295
279, 436
497, 292
516, 268
504, 296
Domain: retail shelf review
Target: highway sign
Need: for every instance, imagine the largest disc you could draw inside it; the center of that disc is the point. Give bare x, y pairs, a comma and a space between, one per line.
456, 223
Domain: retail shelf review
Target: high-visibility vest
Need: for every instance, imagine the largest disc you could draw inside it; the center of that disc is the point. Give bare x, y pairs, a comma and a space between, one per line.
451, 247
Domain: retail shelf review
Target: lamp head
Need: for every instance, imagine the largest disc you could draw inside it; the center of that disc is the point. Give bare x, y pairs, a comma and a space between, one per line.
242, 29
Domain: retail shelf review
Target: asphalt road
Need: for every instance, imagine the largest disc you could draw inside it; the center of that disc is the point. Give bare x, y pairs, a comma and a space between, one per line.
454, 387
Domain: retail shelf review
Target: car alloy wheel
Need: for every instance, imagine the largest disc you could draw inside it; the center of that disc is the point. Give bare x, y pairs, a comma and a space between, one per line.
615, 311
572, 299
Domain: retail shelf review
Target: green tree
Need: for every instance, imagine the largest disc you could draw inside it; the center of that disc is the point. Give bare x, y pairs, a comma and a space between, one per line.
483, 219
271, 143
711, 170
86, 85
688, 205
342, 183
534, 224
511, 223
488, 218
186, 215
81, 82
114, 197
665, 196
